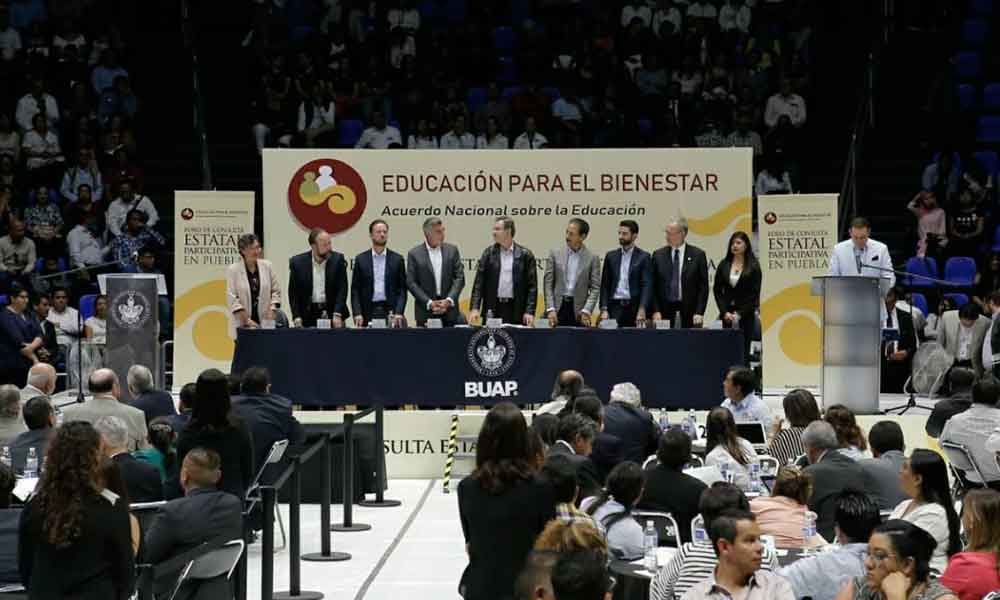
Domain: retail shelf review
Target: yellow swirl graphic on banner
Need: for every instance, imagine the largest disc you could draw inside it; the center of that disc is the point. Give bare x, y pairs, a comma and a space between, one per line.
797, 312
211, 328
720, 220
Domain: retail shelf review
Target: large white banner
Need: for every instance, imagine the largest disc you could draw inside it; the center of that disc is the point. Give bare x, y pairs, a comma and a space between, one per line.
342, 191
206, 228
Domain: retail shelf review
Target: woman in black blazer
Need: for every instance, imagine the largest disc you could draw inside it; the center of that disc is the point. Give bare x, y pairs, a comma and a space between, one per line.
737, 288
74, 539
502, 506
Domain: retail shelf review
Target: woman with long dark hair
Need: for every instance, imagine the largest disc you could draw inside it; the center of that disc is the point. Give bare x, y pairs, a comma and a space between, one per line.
973, 574
725, 449
501, 505
75, 538
924, 478
612, 509
737, 288
849, 433
800, 409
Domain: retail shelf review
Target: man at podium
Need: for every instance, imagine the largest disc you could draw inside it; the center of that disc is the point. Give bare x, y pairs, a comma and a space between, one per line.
862, 256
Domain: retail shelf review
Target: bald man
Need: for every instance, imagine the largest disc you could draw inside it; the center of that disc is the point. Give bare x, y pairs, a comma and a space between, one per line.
41, 382
104, 386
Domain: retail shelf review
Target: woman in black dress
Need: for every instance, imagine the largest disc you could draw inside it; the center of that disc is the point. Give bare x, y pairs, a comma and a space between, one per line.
737, 288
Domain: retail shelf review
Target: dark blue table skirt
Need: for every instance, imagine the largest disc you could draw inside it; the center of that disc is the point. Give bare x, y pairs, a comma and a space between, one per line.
446, 367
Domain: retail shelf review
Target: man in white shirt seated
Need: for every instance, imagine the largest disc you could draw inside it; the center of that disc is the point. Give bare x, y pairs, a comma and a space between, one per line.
971, 427
85, 250
569, 116
126, 201
317, 116
458, 138
785, 106
746, 407
64, 317
531, 139
380, 135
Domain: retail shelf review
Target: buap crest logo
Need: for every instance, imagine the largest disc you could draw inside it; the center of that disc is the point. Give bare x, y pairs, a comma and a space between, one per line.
491, 352
131, 310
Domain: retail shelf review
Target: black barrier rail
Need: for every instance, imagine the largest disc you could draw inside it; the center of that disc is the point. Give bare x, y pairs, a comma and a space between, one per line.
380, 478
326, 553
172, 568
349, 525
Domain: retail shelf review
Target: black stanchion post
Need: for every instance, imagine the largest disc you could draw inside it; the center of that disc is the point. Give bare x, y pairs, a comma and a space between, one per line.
294, 546
380, 477
326, 466
349, 524
267, 494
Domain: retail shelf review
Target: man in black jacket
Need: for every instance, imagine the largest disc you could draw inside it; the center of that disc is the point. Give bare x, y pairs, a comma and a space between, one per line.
317, 283
41, 305
832, 473
626, 298
506, 278
626, 419
897, 355
151, 401
668, 488
142, 480
268, 416
40, 418
204, 514
576, 439
680, 278
378, 298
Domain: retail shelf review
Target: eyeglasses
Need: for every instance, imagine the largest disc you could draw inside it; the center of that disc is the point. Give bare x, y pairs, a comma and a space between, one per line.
877, 557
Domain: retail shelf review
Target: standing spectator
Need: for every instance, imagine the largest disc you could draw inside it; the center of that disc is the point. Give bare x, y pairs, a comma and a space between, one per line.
972, 426
73, 537
10, 139
45, 223
317, 116
972, 574
626, 419
612, 509
17, 256
800, 409
502, 506
64, 317
129, 199
882, 472
105, 73
85, 248
424, 138
932, 233
41, 147
458, 138
379, 135
942, 176
531, 139
849, 434
19, 340
85, 172
780, 513
137, 235
785, 106
668, 488
492, 139
36, 101
725, 448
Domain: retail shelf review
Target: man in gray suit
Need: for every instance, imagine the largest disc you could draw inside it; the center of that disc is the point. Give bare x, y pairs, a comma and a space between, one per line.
882, 472
41, 382
961, 334
572, 281
832, 472
11, 422
435, 277
104, 386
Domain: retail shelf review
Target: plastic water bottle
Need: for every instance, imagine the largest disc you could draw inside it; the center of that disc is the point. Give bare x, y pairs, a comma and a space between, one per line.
5, 456
489, 315
31, 464
677, 320
59, 416
664, 420
693, 425
650, 541
808, 530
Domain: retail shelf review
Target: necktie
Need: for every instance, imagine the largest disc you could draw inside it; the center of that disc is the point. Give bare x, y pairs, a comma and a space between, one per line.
888, 320
857, 259
675, 277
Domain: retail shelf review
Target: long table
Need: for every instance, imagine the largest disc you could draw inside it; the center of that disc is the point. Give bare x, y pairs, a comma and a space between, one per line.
468, 366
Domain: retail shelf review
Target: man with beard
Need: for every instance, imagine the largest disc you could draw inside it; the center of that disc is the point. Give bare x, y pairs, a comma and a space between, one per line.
317, 283
627, 279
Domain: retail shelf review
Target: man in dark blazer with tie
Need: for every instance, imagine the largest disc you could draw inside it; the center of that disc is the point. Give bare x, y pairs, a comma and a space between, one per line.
685, 291
309, 297
378, 297
506, 279
203, 514
897, 354
626, 281
435, 276
41, 305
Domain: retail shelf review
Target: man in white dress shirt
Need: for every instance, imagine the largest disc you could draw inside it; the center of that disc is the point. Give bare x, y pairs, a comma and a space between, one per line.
458, 138
531, 139
380, 135
64, 317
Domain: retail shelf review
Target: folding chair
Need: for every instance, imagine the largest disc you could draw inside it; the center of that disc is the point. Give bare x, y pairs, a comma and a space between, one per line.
666, 526
221, 561
253, 492
960, 461
698, 524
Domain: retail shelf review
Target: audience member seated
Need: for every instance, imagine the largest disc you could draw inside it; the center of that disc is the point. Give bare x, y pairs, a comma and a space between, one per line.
85, 172
114, 483
961, 333
502, 505
268, 416
924, 478
558, 472
849, 434
576, 441
185, 405
204, 514
42, 150
933, 321
960, 381
668, 488
18, 255
19, 339
568, 385
103, 384
11, 422
882, 472
822, 575
898, 566
695, 561
531, 139
780, 514
745, 406
727, 450
142, 480
971, 427
535, 580
458, 138
626, 419
64, 317
95, 328
832, 473
75, 540
40, 418
128, 200
735, 537
546, 425
151, 401
214, 426
379, 135
562, 537
161, 452
972, 573
581, 575
612, 509
136, 235
897, 355
800, 409
9, 519
41, 382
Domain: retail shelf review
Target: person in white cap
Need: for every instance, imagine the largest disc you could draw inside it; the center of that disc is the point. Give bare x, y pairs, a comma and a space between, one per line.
626, 419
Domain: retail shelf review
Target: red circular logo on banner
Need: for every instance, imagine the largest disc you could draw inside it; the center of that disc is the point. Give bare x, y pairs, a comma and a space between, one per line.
770, 218
328, 194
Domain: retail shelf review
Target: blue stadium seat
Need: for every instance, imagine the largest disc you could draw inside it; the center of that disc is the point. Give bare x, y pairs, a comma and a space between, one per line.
988, 130
991, 97
41, 262
4, 300
960, 300
960, 270
974, 31
552, 92
920, 301
504, 40
981, 7
925, 266
989, 160
350, 132
966, 93
996, 240
456, 11
509, 92
506, 69
645, 128
87, 306
968, 65
476, 98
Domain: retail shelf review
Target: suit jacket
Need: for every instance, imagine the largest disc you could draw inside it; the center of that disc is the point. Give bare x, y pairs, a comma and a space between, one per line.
10, 428
300, 284
269, 419
607, 453
587, 475
37, 439
420, 278
524, 273
876, 254
588, 280
694, 280
238, 290
635, 427
882, 479
640, 277
745, 297
102, 406
48, 330
155, 403
363, 283
142, 480
201, 516
948, 333
674, 492
907, 335
833, 474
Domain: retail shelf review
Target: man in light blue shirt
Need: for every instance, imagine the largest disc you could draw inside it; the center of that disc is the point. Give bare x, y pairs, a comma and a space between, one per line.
746, 407
822, 576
